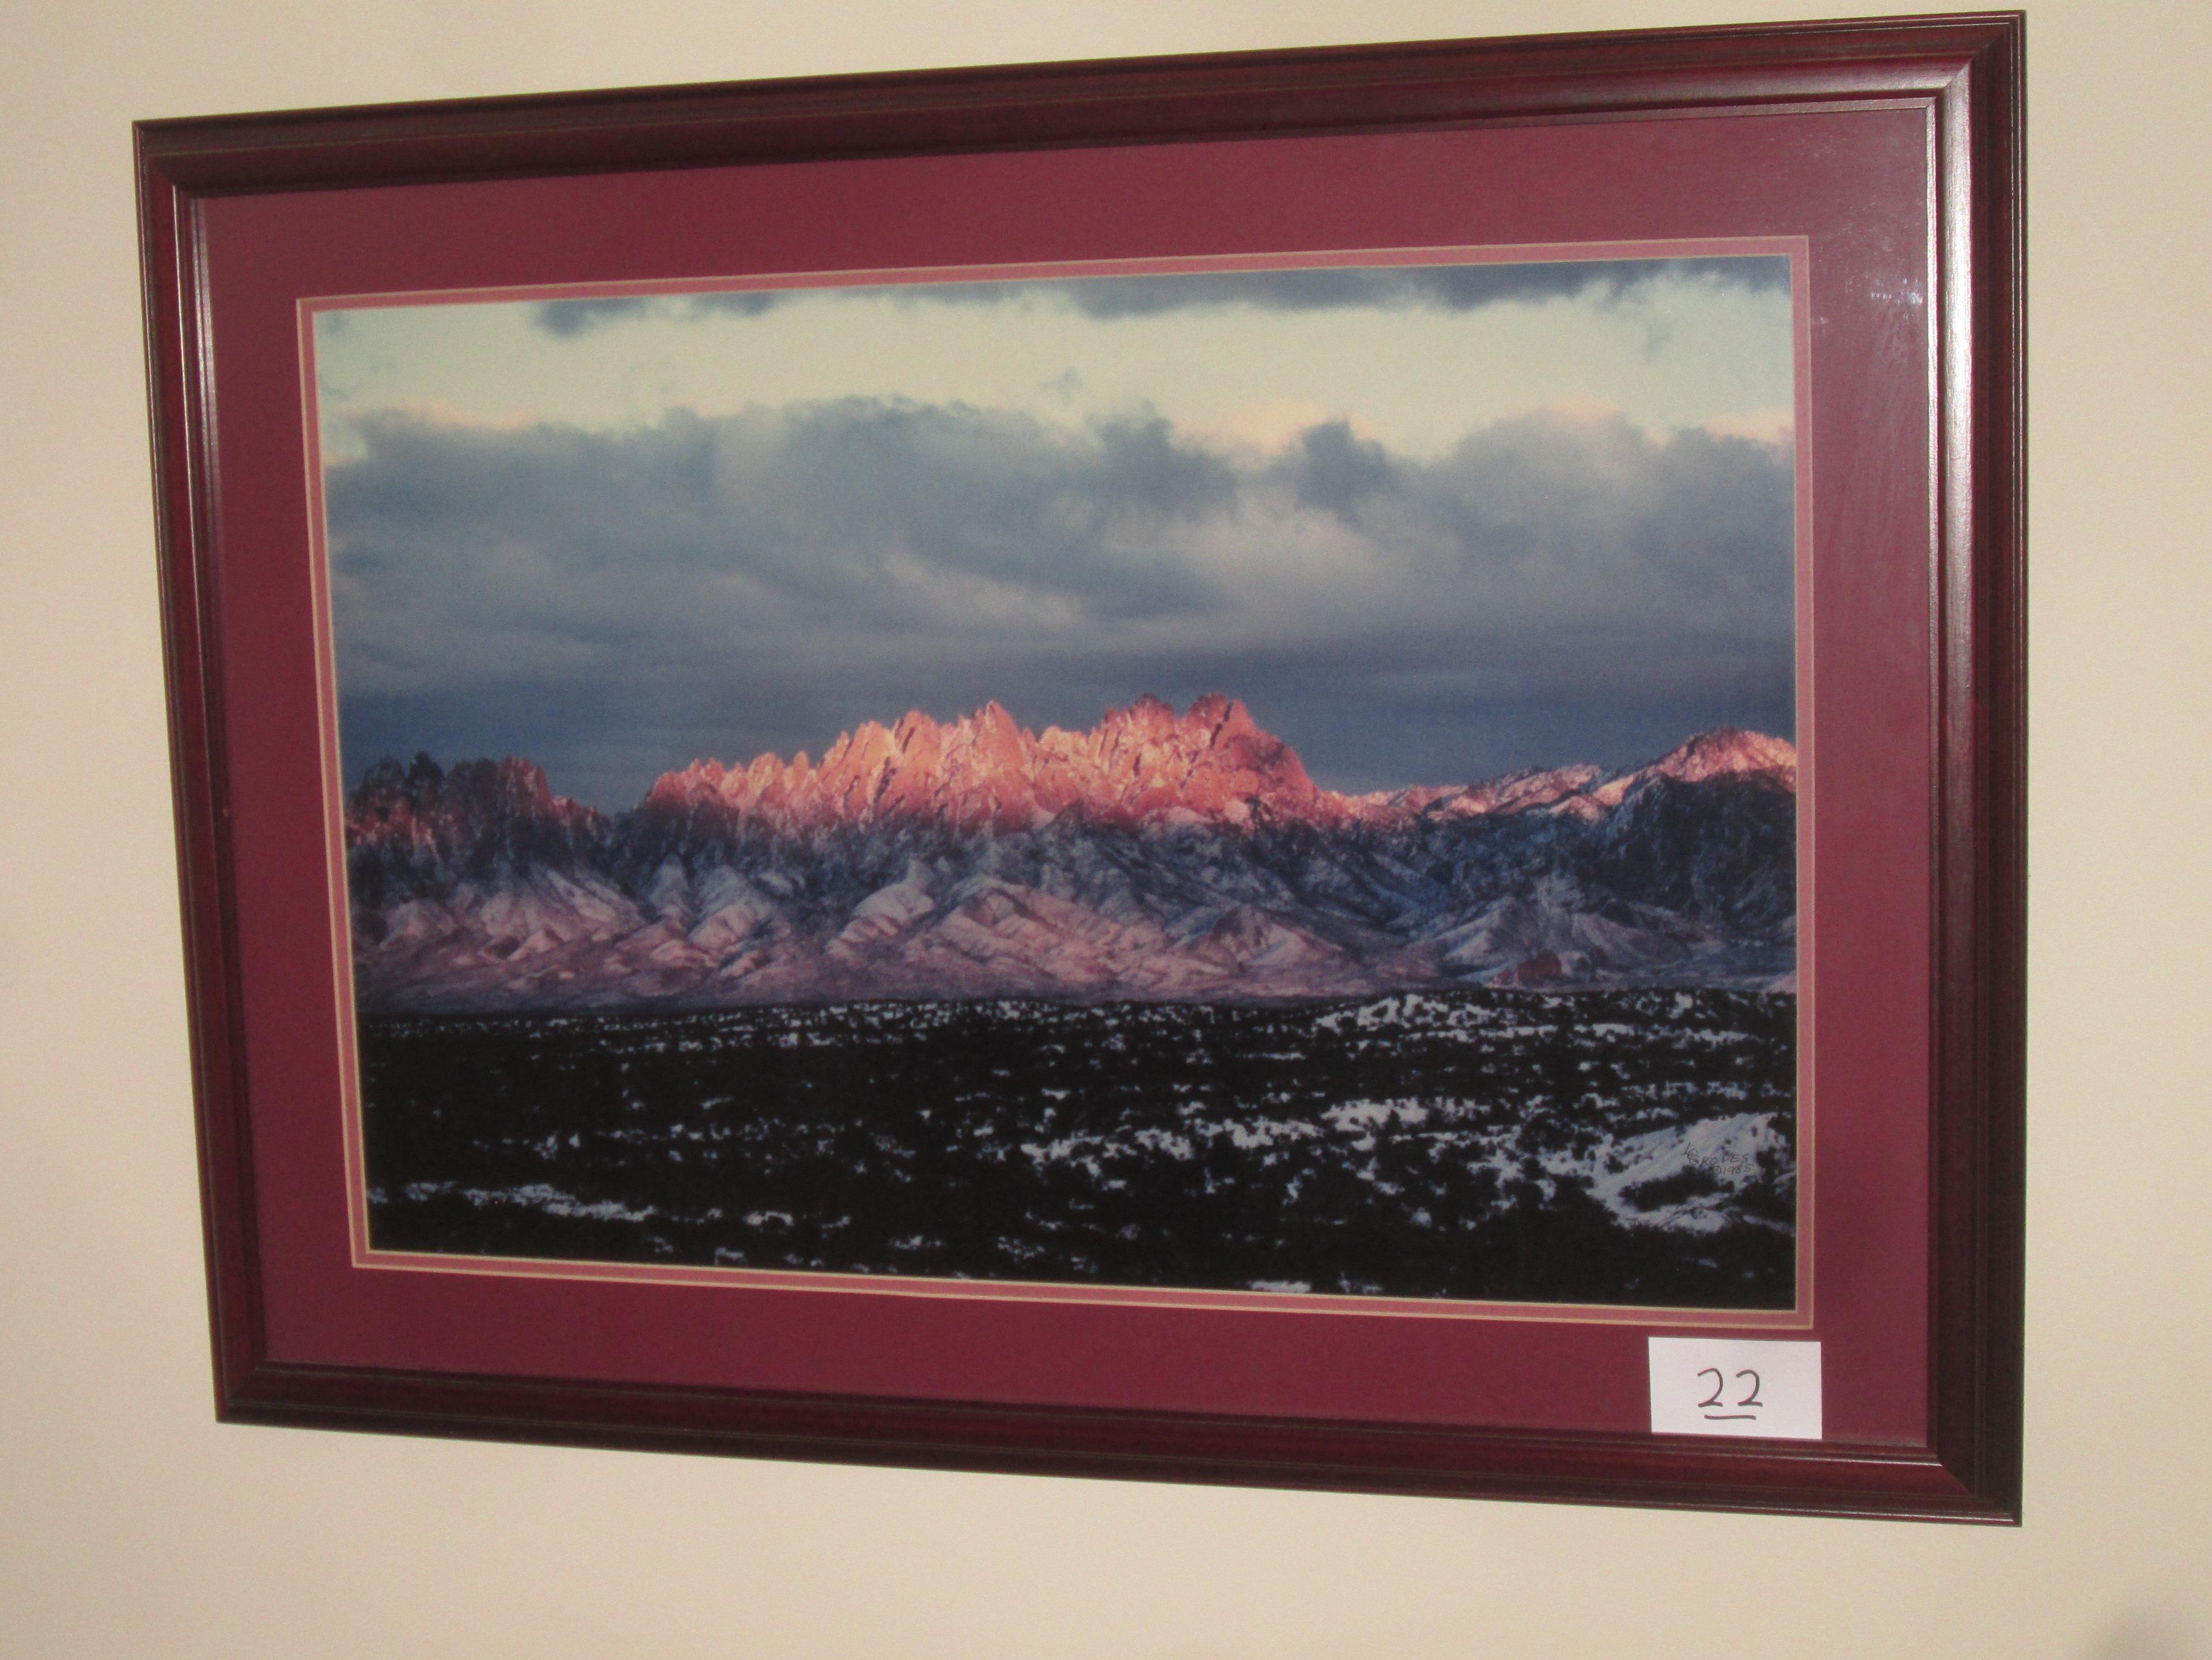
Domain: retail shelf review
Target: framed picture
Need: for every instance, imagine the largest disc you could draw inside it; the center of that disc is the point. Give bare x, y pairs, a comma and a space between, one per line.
1299, 768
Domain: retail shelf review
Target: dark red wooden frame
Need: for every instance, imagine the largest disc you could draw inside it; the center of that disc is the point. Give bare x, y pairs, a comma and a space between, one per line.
1965, 73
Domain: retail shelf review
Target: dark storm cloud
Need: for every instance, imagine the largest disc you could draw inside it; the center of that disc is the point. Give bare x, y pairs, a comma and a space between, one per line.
747, 302
1334, 469
567, 318
615, 603
1432, 288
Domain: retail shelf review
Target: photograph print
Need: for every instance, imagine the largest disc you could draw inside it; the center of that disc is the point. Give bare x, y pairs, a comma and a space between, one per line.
1238, 780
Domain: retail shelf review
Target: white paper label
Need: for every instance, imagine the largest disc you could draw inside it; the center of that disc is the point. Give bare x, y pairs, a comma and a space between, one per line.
1735, 1386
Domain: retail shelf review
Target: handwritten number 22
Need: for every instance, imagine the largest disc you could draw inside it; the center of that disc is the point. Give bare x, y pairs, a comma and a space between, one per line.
1720, 1387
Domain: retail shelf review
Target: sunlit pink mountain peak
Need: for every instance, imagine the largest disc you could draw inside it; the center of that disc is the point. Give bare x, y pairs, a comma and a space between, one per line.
1144, 763
1156, 854
1729, 749
1141, 764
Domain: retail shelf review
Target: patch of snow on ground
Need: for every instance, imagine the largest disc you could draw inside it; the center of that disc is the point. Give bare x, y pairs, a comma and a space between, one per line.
1167, 1141
1249, 1132
1724, 1150
539, 1195
1367, 1115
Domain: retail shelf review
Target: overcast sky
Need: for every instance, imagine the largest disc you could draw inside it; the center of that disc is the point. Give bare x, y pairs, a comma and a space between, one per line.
1430, 523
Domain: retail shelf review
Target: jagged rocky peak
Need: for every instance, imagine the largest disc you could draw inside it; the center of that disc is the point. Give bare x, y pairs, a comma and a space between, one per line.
423, 797
974, 857
1725, 753
985, 770
1727, 750
1212, 761
420, 829
1143, 763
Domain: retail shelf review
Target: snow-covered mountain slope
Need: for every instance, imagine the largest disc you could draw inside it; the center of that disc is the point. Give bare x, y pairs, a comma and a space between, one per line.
1153, 856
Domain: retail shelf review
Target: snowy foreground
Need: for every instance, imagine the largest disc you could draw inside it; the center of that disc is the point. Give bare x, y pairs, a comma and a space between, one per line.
1596, 1146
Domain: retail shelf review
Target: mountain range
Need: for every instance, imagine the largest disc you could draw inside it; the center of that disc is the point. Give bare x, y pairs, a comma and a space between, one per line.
1157, 855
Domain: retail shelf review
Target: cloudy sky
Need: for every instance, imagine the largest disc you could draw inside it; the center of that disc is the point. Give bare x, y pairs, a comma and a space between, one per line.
1431, 523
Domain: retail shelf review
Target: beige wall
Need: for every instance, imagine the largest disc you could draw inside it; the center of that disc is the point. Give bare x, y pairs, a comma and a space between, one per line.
131, 1525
